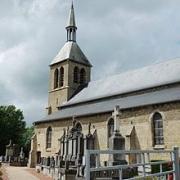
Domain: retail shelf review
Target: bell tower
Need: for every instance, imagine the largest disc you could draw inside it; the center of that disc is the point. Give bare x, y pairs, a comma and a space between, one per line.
70, 70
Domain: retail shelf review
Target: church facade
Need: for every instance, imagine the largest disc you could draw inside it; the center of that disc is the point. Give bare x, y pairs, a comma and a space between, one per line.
148, 101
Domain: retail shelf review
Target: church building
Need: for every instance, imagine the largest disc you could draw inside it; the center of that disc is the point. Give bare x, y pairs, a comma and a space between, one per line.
142, 104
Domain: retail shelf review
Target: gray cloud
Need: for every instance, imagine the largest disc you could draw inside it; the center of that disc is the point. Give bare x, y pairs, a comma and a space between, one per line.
115, 35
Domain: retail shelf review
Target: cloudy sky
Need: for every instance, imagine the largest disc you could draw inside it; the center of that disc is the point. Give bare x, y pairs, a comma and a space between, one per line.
116, 36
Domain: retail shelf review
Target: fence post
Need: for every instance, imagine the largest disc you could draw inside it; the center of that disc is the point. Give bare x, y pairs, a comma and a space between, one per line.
143, 161
97, 160
176, 163
87, 168
120, 174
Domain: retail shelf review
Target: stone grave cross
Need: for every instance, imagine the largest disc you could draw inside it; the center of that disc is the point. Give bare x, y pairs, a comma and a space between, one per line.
116, 115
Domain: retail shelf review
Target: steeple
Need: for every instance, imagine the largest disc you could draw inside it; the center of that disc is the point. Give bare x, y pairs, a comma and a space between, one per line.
70, 70
71, 50
71, 25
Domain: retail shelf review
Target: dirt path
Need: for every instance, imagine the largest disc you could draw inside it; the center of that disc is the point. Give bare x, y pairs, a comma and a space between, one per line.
19, 173
22, 173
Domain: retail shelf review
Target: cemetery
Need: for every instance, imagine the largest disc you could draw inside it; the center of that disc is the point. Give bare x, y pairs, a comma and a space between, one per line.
77, 153
14, 155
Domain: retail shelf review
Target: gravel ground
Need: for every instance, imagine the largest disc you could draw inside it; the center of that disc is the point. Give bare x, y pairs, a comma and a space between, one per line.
22, 173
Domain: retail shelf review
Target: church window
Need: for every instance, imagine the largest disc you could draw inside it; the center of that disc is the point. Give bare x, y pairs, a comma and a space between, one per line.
61, 76
158, 129
110, 129
48, 137
76, 74
82, 76
56, 75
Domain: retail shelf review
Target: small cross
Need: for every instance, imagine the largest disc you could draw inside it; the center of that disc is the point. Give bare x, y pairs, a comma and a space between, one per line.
116, 111
116, 115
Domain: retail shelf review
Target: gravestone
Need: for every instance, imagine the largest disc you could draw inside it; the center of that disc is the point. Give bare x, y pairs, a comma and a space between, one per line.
12, 151
14, 156
62, 145
116, 141
80, 148
90, 145
48, 161
9, 151
52, 162
22, 156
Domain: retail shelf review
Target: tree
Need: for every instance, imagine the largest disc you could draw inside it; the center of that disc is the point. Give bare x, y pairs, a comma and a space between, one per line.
26, 139
12, 126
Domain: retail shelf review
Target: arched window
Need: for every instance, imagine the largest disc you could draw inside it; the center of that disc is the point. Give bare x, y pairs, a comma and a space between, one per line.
61, 76
48, 137
56, 75
158, 129
82, 76
76, 74
110, 128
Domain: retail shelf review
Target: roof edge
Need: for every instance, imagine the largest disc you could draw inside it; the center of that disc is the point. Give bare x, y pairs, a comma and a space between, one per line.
101, 112
86, 64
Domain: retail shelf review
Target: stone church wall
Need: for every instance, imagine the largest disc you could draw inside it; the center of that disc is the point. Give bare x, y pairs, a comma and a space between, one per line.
73, 86
59, 95
135, 126
62, 94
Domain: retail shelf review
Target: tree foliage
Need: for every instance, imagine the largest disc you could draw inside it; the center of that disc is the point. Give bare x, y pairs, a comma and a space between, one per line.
12, 126
26, 139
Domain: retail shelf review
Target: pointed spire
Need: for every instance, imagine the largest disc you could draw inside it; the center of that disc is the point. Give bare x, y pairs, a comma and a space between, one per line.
71, 25
71, 20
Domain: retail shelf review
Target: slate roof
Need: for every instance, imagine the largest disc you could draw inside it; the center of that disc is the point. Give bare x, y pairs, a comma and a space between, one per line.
103, 95
71, 51
151, 76
107, 105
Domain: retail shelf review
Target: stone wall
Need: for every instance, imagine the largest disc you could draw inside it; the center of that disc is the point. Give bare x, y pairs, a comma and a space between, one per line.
62, 94
73, 86
135, 126
59, 95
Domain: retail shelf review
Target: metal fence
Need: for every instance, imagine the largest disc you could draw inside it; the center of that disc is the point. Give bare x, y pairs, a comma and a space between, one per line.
145, 161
